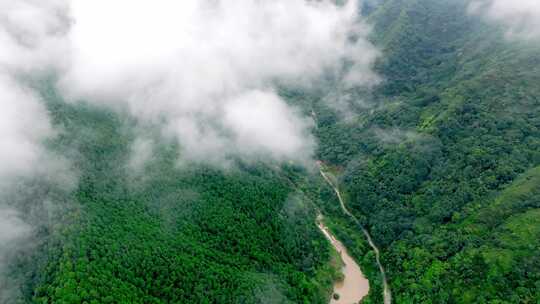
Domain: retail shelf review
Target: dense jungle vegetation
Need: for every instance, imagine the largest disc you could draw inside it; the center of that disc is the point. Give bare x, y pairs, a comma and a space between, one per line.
441, 163
169, 234
443, 169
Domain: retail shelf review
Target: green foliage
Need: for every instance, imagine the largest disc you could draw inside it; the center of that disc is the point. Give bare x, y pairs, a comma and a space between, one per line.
442, 169
170, 234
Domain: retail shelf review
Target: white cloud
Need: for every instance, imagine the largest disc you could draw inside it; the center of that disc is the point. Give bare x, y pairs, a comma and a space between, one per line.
521, 18
23, 125
395, 136
11, 228
30, 42
204, 69
193, 64
142, 151
12, 231
32, 34
260, 122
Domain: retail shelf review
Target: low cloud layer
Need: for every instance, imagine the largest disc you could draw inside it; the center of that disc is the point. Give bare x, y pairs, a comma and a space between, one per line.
521, 18
12, 231
30, 43
207, 70
23, 126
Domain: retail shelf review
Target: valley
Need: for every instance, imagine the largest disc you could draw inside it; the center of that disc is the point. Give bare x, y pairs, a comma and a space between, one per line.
331, 180
269, 152
353, 287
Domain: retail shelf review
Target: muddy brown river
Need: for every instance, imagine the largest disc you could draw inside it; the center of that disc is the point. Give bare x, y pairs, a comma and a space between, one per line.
354, 286
387, 294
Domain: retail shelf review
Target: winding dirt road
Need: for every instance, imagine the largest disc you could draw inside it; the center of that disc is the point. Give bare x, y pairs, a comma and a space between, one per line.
387, 295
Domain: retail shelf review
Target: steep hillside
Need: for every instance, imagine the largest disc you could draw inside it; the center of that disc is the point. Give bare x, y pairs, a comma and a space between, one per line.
452, 132
439, 162
161, 233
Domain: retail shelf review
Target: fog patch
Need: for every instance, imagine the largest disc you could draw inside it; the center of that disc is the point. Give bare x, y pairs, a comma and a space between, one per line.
260, 123
13, 232
204, 71
264, 288
141, 152
422, 143
296, 207
29, 31
207, 70
30, 35
23, 126
395, 136
520, 19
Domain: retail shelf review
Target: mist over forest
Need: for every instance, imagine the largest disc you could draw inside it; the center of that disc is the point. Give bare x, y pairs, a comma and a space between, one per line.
190, 151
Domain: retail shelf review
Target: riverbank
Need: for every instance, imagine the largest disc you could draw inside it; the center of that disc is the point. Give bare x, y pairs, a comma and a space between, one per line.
354, 286
387, 295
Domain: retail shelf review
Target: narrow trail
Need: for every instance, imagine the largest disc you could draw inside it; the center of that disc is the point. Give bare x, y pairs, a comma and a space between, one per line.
387, 295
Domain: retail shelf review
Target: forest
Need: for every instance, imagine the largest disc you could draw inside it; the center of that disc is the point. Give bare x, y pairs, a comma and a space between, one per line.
164, 235
440, 162
444, 170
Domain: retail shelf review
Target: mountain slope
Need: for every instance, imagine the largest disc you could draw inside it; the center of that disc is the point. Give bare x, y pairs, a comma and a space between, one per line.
170, 234
454, 125
440, 163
